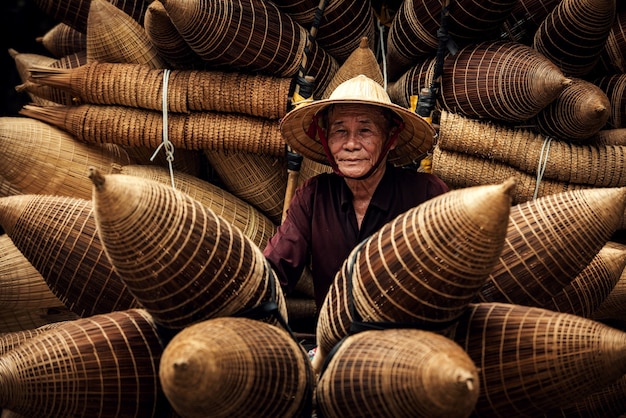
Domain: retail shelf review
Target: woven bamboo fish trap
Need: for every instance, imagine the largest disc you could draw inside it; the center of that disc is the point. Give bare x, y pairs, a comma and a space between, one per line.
11, 340
74, 13
549, 242
413, 32
236, 367
114, 36
609, 401
615, 88
257, 179
188, 263
609, 137
139, 86
592, 286
525, 18
532, 360
459, 170
21, 285
242, 215
58, 236
38, 158
398, 373
23, 61
62, 40
594, 165
343, 23
185, 161
412, 272
171, 46
121, 125
497, 80
253, 35
110, 370
614, 305
361, 61
574, 34
14, 320
613, 55
579, 111
310, 168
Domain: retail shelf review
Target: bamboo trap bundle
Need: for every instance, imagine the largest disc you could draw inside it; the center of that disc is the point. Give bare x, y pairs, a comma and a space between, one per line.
127, 126
255, 225
62, 40
259, 180
342, 25
574, 34
549, 241
615, 88
415, 270
413, 31
399, 373
190, 162
609, 401
21, 285
613, 54
525, 18
252, 35
592, 286
532, 153
614, 305
110, 370
533, 360
114, 36
38, 158
74, 13
11, 340
188, 263
497, 80
58, 236
14, 320
215, 368
140, 86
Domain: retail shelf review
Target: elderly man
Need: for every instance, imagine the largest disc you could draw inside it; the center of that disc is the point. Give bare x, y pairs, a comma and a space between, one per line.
364, 137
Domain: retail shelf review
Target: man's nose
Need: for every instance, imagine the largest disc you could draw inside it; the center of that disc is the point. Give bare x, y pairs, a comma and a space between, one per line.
352, 141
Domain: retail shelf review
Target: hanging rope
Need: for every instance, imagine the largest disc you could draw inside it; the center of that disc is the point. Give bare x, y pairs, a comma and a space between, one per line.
543, 162
166, 144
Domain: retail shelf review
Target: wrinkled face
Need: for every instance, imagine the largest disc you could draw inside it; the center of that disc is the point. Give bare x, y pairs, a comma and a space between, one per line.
356, 136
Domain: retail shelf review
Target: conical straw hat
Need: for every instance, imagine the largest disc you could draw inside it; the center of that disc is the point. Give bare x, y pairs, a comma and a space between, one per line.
215, 368
110, 370
413, 141
399, 373
532, 360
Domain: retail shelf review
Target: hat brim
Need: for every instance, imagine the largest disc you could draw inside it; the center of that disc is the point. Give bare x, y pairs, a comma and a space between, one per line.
414, 141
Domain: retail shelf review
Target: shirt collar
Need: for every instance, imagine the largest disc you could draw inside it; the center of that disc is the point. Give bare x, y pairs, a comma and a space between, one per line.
382, 195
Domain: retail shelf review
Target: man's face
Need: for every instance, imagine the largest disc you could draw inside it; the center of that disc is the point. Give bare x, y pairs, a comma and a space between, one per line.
356, 136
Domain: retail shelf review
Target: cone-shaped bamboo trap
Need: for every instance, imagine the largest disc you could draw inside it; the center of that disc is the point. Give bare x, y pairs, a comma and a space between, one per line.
114, 36
525, 18
190, 162
592, 286
62, 40
398, 373
257, 179
23, 61
615, 88
549, 241
233, 210
310, 168
613, 56
343, 23
38, 158
11, 340
594, 165
101, 124
422, 268
609, 136
532, 360
168, 42
104, 365
610, 401
13, 320
413, 32
574, 34
74, 13
498, 80
58, 236
614, 305
236, 367
252, 35
188, 264
21, 285
140, 86
459, 170
578, 112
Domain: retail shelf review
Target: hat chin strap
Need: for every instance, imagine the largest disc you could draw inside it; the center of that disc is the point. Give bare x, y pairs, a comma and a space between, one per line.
314, 128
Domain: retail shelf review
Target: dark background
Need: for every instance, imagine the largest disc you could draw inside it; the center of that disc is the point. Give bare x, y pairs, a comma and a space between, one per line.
21, 22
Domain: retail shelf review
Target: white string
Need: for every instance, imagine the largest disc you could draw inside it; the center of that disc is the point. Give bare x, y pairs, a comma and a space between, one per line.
543, 161
381, 29
169, 147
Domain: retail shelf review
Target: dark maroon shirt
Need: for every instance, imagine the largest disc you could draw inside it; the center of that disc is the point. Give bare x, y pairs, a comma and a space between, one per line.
321, 226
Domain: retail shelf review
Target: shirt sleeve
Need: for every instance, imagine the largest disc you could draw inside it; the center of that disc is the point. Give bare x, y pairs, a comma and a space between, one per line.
287, 251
